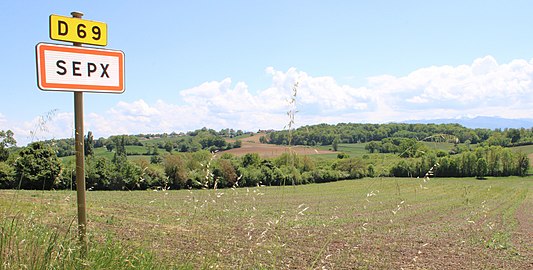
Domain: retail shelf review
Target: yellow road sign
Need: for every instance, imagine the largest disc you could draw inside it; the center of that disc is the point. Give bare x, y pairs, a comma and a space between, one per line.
78, 30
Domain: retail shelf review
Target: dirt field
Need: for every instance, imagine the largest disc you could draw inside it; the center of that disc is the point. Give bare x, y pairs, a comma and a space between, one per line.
379, 223
252, 145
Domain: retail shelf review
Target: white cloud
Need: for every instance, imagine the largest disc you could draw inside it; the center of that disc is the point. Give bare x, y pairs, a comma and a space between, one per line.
483, 87
51, 125
463, 89
417, 99
322, 92
222, 104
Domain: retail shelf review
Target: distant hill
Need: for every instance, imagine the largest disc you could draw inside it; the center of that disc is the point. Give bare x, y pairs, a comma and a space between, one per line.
481, 122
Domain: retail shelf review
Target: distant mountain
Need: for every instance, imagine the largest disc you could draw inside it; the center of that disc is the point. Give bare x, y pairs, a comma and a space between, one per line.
481, 122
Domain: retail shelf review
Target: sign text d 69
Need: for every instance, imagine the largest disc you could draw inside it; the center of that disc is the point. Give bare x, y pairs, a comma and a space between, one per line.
78, 30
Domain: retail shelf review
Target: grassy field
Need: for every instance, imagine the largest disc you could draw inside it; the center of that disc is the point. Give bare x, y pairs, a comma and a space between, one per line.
379, 223
440, 145
132, 150
358, 149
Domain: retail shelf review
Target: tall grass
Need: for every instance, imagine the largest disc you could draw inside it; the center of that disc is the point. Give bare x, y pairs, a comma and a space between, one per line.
25, 243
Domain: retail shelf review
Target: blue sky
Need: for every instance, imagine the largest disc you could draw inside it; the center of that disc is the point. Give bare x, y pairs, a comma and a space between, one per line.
219, 64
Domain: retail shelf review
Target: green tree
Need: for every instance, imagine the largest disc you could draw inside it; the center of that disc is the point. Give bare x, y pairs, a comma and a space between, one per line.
120, 149
251, 176
335, 144
7, 175
494, 160
354, 167
482, 168
388, 147
37, 167
125, 174
342, 155
99, 172
497, 138
156, 158
409, 147
109, 146
250, 159
402, 169
372, 146
176, 171
152, 175
238, 143
227, 173
513, 135
128, 175
169, 146
6, 141
507, 162
371, 170
100, 142
468, 164
89, 144
522, 163
121, 146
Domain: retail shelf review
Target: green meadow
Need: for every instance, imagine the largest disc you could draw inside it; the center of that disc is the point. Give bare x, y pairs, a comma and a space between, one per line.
371, 223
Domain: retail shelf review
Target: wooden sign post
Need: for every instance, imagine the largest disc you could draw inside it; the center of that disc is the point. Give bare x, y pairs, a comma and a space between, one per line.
78, 69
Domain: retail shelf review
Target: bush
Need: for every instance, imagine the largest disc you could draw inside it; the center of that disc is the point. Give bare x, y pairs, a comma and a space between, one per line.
175, 171
251, 159
153, 176
481, 168
354, 167
272, 176
127, 176
403, 169
371, 171
321, 176
225, 173
156, 159
251, 176
99, 172
342, 155
38, 167
7, 176
290, 175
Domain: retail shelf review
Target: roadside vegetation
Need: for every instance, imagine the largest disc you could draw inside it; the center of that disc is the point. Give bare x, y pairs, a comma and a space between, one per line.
198, 159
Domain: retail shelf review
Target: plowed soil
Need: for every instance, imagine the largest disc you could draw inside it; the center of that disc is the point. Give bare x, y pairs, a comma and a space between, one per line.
252, 145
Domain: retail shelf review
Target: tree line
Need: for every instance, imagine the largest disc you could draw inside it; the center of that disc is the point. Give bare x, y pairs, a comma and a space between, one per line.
326, 134
37, 166
192, 141
482, 162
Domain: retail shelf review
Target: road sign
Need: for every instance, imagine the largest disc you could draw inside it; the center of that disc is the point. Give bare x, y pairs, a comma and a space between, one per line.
78, 30
79, 69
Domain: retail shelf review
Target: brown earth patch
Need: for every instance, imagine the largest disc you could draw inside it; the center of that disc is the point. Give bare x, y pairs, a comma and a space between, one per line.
252, 145
254, 138
524, 232
271, 150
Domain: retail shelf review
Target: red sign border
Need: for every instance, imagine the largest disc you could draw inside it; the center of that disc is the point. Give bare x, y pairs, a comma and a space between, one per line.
40, 48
